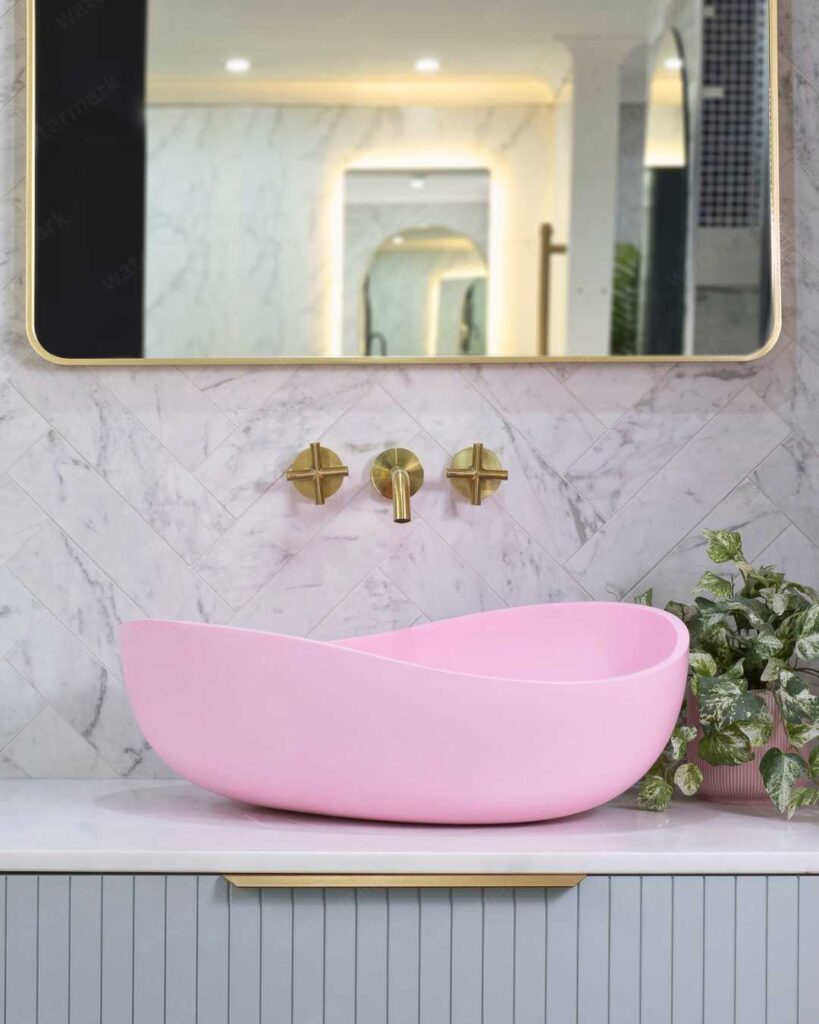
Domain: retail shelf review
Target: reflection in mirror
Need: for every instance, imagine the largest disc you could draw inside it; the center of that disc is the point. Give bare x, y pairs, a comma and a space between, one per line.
415, 269
659, 303
312, 179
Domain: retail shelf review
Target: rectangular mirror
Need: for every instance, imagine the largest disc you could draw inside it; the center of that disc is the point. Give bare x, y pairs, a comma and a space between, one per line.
272, 180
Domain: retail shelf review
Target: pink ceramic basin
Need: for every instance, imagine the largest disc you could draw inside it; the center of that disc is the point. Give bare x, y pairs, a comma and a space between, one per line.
508, 716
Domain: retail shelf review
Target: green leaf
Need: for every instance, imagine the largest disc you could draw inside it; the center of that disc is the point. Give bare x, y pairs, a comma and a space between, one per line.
777, 602
655, 793
710, 615
646, 599
718, 701
725, 700
710, 583
774, 670
807, 646
780, 772
813, 764
807, 622
758, 730
702, 664
800, 735
766, 644
804, 591
718, 642
747, 610
686, 612
800, 709
802, 798
680, 738
724, 546
729, 746
688, 779
759, 579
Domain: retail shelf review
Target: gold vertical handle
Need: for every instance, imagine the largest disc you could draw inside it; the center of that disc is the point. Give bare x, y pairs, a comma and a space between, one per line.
547, 250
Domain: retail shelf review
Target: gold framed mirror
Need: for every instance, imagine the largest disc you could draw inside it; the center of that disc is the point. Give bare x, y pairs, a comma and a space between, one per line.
553, 181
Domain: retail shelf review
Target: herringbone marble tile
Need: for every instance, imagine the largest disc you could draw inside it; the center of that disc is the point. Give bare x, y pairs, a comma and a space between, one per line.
130, 493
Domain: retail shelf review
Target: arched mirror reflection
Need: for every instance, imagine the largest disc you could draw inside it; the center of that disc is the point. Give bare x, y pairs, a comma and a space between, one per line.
425, 294
416, 268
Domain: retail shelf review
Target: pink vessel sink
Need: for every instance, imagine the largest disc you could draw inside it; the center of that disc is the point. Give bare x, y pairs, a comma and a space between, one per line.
507, 716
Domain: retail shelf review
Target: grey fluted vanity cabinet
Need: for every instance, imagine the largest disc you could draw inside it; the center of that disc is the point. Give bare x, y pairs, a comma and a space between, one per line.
187, 949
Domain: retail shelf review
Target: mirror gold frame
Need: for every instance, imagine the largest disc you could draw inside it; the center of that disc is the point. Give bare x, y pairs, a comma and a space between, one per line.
776, 274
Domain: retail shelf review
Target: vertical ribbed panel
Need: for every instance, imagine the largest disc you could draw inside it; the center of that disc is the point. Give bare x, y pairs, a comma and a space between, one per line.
371, 942
686, 944
53, 940
561, 956
180, 950
150, 920
624, 950
750, 951
719, 936
244, 955
656, 950
118, 961
188, 950
340, 957
808, 946
85, 938
212, 922
530, 956
21, 948
403, 955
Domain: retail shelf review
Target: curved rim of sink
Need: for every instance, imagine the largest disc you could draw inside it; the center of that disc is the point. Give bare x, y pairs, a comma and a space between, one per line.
363, 643
512, 715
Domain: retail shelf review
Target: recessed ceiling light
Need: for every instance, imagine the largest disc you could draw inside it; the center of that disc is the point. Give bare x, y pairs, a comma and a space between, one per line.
237, 65
418, 182
398, 240
427, 65
674, 64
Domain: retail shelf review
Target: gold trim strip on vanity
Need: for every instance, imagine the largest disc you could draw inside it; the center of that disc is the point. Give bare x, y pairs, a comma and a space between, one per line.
404, 881
776, 276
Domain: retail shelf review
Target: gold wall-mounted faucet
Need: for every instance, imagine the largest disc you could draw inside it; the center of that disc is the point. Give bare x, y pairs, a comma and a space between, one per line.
317, 473
476, 473
397, 474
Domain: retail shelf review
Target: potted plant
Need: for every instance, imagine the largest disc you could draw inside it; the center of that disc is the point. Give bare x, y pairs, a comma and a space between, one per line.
752, 711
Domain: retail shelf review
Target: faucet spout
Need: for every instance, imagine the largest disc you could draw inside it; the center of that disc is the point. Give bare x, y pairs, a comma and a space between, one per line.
401, 511
397, 475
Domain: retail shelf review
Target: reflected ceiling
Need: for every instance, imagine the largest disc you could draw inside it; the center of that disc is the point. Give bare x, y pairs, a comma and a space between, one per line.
328, 39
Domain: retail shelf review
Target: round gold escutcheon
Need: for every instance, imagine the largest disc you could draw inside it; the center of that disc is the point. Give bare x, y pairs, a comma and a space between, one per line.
388, 463
317, 473
476, 473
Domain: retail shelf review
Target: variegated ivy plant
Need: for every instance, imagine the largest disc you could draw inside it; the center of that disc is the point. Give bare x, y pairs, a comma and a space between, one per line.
751, 630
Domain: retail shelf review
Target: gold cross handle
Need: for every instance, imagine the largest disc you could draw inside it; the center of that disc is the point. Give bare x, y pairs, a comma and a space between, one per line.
317, 473
476, 472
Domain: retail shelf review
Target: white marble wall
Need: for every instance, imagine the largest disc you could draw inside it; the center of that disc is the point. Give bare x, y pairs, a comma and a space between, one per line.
245, 205
127, 493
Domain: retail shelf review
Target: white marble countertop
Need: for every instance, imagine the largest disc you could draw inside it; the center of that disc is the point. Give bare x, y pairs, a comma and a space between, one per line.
174, 827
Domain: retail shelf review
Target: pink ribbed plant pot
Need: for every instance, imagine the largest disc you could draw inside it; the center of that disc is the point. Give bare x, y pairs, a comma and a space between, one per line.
740, 783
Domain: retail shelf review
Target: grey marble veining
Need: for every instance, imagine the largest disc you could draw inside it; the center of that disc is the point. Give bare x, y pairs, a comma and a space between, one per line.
633, 541
131, 493
648, 436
